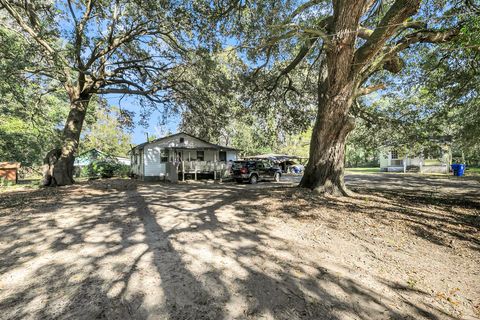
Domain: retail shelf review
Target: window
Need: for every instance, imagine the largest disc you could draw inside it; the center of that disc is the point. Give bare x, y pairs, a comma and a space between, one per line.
200, 156
394, 154
182, 140
163, 155
222, 155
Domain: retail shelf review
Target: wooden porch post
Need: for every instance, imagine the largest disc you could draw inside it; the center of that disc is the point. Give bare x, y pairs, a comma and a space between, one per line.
183, 170
214, 169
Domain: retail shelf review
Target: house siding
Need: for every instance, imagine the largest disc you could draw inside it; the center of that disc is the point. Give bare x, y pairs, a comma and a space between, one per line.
384, 159
137, 168
418, 161
153, 166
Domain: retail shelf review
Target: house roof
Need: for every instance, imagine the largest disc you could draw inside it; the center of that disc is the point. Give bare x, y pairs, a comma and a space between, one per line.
9, 165
212, 145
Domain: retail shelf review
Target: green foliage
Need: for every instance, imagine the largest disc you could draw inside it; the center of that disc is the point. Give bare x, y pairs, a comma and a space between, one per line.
30, 110
296, 144
6, 183
106, 130
105, 169
433, 102
209, 97
223, 106
238, 96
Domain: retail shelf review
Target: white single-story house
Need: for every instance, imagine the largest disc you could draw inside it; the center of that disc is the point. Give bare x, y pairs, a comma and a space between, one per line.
177, 155
393, 161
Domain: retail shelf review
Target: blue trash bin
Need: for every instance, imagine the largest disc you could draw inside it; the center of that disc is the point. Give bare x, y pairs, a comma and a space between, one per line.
458, 169
454, 168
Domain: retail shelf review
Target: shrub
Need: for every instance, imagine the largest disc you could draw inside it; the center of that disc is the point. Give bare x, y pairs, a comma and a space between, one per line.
105, 169
5, 183
122, 170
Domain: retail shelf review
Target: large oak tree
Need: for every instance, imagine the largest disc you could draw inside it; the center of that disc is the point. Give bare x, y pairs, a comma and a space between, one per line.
97, 47
346, 44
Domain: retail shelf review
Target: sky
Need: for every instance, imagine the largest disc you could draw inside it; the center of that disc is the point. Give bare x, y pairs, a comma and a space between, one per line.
153, 128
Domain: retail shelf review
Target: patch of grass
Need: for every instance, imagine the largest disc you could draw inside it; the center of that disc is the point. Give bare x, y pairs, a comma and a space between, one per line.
364, 170
22, 184
6, 183
473, 170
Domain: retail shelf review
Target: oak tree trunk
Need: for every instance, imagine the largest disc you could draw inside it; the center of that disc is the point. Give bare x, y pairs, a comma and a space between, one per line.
58, 163
325, 169
337, 85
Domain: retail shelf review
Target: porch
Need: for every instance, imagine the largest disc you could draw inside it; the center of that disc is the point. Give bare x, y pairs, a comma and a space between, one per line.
416, 164
219, 169
196, 163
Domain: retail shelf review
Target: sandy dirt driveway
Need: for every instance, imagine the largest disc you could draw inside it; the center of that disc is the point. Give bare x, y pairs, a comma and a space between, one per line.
407, 247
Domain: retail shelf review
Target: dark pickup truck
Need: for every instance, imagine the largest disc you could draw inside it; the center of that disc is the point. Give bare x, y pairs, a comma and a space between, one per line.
255, 170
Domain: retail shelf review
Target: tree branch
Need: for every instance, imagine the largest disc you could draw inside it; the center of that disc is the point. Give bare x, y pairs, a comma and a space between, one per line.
304, 50
367, 90
390, 23
79, 28
26, 27
301, 8
389, 59
147, 94
365, 33
74, 17
55, 55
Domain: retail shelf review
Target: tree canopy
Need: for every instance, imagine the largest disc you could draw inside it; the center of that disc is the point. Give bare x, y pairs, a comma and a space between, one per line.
108, 131
254, 75
93, 47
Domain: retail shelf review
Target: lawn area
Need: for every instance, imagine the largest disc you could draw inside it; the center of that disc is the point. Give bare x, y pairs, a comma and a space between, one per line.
406, 247
364, 170
473, 170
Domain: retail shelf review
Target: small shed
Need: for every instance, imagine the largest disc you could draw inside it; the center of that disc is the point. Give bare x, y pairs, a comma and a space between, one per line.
9, 171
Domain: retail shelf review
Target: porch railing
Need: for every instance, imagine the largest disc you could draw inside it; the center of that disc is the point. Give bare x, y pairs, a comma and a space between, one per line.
201, 166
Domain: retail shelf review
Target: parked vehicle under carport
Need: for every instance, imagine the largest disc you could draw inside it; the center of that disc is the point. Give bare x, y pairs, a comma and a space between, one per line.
253, 171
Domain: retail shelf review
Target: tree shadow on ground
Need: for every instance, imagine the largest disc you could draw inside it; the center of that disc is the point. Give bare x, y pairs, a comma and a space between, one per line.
122, 249
439, 222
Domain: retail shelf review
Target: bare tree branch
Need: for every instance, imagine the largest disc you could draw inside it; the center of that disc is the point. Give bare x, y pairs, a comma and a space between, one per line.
367, 90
